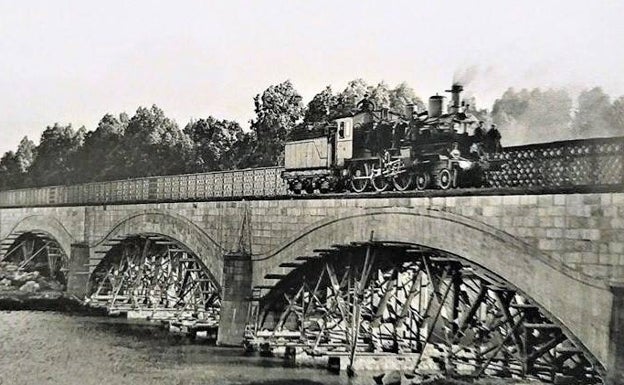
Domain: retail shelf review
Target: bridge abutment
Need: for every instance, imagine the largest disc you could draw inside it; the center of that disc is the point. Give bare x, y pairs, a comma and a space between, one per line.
78, 274
236, 293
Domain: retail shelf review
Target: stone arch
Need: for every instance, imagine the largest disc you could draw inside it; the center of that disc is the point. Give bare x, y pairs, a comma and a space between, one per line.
538, 276
172, 226
49, 225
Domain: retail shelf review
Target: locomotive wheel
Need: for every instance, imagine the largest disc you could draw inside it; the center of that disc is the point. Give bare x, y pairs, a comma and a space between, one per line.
402, 181
296, 188
422, 181
446, 179
380, 183
358, 171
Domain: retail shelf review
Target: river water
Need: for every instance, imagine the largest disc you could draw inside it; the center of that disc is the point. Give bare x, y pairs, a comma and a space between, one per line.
53, 348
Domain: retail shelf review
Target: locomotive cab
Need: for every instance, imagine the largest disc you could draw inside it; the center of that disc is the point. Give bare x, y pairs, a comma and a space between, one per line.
343, 140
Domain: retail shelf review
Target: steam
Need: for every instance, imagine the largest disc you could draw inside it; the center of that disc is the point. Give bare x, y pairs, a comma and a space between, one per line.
465, 76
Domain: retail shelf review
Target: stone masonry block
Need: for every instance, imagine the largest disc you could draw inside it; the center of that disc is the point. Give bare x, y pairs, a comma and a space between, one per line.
492, 211
554, 233
528, 200
510, 200
545, 200
617, 199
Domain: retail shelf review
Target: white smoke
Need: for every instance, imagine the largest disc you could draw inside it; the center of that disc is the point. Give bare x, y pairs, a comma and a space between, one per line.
465, 76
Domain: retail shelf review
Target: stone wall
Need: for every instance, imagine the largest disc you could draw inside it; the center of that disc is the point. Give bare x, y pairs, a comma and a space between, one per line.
583, 231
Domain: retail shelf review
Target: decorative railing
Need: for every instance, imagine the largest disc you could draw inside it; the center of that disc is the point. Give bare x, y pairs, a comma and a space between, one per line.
259, 182
590, 162
586, 163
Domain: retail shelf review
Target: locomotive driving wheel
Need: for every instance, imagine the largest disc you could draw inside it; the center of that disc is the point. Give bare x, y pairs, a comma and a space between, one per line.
402, 181
359, 177
380, 183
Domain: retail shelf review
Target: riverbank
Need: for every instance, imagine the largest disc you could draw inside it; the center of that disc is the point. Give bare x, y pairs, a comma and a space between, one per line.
20, 290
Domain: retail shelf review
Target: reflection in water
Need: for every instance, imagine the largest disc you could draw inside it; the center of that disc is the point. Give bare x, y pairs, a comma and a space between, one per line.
51, 348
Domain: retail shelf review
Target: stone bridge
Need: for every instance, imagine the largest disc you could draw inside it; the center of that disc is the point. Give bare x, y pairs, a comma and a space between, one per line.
563, 251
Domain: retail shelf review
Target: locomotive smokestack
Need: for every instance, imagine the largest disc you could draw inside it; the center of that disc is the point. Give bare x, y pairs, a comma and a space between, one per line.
455, 91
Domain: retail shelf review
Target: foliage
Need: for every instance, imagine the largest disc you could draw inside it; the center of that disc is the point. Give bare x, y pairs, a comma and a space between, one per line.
278, 110
325, 106
98, 158
593, 115
617, 116
321, 107
149, 143
9, 171
533, 116
54, 163
403, 95
214, 142
25, 154
154, 145
348, 99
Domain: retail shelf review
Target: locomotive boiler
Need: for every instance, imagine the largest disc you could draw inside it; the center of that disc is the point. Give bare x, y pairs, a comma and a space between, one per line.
380, 149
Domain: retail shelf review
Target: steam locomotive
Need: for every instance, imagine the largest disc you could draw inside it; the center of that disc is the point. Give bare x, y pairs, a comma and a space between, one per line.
379, 149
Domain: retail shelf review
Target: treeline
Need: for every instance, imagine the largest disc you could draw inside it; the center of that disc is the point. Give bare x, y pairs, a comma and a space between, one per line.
531, 116
149, 143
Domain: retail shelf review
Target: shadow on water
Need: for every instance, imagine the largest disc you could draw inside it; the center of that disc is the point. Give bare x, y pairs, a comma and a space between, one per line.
163, 346
48, 348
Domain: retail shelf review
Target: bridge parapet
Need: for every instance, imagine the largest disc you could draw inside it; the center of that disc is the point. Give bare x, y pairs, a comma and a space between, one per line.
586, 162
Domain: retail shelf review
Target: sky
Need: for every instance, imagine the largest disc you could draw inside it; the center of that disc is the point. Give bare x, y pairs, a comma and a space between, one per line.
74, 61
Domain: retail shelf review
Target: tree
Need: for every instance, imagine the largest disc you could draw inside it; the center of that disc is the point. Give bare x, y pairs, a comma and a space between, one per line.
593, 115
278, 110
25, 154
348, 99
53, 162
380, 95
617, 116
533, 116
9, 171
510, 107
214, 140
403, 95
153, 145
321, 107
98, 159
244, 152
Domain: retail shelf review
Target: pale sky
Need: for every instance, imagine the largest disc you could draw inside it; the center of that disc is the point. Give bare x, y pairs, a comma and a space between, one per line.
74, 61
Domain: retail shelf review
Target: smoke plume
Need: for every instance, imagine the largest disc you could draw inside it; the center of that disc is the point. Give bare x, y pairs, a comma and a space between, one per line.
465, 76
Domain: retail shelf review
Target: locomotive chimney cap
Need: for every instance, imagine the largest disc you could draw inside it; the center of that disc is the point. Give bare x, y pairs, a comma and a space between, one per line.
456, 88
